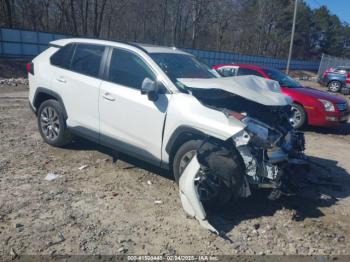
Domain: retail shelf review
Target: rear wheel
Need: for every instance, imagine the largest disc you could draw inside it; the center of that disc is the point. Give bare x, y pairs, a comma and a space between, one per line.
334, 86
298, 118
51, 123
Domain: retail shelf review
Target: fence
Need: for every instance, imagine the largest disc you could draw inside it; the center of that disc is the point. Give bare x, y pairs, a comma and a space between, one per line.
23, 43
215, 58
328, 61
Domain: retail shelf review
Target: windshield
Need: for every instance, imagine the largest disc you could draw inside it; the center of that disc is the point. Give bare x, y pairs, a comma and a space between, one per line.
182, 66
283, 79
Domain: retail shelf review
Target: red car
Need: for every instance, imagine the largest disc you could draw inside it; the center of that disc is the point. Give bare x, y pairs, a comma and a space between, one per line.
310, 106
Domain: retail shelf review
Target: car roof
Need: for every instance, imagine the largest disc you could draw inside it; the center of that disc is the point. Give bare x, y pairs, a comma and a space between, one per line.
160, 49
145, 47
253, 67
343, 67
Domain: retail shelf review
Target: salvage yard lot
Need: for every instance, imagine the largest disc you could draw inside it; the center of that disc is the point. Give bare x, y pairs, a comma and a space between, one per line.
118, 205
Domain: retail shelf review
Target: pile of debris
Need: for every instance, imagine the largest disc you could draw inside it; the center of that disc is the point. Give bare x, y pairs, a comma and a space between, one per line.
14, 81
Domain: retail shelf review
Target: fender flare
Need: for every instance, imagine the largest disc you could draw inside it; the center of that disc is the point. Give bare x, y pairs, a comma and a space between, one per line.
45, 91
179, 131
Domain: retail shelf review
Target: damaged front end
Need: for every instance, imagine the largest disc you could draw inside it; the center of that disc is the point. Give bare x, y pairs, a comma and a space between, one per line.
259, 156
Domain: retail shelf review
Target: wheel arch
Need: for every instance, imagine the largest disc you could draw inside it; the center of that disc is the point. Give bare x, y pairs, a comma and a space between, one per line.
42, 94
180, 136
335, 80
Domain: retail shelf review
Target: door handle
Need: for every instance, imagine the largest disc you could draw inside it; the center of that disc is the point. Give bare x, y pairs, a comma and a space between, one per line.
108, 96
61, 79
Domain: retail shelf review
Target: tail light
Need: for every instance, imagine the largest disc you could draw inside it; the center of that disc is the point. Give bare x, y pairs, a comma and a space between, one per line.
325, 74
30, 68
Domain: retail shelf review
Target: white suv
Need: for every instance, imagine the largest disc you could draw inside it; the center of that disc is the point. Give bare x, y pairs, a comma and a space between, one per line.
164, 106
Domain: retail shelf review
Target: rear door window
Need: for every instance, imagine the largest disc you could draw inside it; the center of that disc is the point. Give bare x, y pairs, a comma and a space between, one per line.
128, 69
247, 71
340, 70
87, 59
62, 58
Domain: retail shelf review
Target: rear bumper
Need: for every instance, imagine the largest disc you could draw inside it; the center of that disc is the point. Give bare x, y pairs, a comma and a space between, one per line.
32, 108
321, 82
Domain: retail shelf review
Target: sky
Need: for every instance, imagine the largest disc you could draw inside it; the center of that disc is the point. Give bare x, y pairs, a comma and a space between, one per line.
341, 8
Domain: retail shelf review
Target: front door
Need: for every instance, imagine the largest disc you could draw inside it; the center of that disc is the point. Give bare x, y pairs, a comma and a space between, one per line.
128, 119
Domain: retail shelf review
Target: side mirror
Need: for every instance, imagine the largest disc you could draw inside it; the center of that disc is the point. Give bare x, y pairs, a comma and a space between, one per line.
150, 88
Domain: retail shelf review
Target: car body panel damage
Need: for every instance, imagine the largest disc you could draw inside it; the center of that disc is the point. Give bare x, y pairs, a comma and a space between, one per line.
260, 154
253, 88
222, 171
190, 197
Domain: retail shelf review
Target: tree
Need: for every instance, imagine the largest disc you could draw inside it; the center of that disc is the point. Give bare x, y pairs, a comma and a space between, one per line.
254, 27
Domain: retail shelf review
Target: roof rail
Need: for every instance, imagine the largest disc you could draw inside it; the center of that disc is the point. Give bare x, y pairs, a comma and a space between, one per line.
137, 46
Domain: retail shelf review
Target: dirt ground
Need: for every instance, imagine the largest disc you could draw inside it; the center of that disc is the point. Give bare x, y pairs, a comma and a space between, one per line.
109, 206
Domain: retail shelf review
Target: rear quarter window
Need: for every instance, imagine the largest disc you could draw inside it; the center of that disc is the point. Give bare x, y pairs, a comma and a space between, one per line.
62, 58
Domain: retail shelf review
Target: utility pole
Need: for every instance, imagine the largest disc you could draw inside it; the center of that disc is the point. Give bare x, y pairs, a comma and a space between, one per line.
292, 36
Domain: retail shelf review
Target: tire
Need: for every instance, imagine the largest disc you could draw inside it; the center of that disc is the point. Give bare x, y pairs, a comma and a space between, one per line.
52, 125
189, 146
334, 86
298, 118
223, 195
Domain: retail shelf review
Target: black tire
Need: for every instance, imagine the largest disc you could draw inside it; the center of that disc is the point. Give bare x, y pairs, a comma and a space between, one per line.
298, 116
52, 125
183, 149
224, 193
334, 86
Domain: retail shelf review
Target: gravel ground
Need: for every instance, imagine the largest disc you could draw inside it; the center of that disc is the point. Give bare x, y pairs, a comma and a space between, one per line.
109, 206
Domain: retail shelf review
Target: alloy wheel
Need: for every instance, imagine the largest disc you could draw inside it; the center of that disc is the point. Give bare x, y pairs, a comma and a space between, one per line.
296, 116
185, 160
49, 123
334, 86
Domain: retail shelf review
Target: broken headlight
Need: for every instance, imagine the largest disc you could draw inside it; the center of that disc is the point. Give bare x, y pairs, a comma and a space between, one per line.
261, 134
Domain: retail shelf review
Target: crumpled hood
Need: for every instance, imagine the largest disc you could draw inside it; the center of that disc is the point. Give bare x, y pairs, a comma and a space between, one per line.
254, 88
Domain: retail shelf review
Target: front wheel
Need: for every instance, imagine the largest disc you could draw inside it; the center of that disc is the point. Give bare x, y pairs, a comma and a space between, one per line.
298, 118
212, 191
183, 157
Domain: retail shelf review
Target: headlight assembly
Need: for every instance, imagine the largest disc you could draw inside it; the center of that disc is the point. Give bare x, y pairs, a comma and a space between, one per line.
328, 106
261, 134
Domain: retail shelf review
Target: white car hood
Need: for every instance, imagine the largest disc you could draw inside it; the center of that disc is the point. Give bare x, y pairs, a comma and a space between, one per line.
254, 88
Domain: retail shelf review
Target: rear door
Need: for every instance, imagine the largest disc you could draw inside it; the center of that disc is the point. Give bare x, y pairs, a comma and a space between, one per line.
79, 85
128, 119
